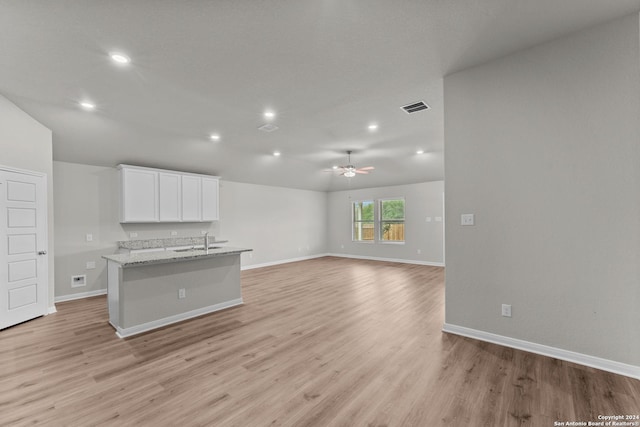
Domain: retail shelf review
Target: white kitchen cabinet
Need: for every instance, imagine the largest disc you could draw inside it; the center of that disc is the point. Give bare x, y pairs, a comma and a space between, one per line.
191, 198
157, 195
170, 189
139, 195
210, 199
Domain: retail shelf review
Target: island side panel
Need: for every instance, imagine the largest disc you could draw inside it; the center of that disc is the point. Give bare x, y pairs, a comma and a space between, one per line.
114, 278
150, 293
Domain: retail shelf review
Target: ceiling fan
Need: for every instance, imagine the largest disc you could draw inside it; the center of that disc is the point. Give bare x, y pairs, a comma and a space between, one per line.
349, 170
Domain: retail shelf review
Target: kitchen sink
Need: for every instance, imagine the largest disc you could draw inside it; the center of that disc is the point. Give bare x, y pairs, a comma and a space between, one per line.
195, 249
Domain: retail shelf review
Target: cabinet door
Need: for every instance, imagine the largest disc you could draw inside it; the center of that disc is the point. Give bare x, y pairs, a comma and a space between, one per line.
139, 196
191, 198
210, 199
170, 197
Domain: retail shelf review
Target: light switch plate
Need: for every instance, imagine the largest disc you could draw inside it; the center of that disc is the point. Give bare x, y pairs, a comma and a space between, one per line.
89, 237
91, 265
467, 219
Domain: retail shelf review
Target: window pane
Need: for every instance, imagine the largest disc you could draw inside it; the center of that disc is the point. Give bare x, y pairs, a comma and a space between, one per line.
392, 209
392, 231
392, 220
363, 223
363, 231
363, 211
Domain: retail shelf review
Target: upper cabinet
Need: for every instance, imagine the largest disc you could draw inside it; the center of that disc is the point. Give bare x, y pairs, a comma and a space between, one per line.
210, 199
139, 196
156, 195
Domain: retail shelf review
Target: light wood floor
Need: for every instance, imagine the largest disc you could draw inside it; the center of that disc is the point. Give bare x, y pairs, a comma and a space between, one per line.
325, 342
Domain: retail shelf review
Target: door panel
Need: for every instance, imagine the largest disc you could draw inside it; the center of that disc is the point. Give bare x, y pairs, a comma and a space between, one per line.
23, 244
21, 218
21, 191
20, 297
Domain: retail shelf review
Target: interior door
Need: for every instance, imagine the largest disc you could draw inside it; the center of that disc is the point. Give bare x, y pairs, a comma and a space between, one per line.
23, 244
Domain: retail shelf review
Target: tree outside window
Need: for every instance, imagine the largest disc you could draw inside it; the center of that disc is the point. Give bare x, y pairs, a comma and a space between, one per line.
392, 220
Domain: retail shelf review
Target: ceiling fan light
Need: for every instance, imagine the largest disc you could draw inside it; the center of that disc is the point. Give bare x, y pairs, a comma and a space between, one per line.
350, 174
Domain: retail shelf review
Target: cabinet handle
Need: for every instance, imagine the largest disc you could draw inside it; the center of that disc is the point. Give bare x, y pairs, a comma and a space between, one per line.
42, 252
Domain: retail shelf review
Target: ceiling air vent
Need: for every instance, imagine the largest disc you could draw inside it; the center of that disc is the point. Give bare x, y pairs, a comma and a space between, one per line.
416, 106
269, 127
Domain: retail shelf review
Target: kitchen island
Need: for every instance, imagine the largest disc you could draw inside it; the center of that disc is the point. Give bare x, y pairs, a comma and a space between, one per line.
154, 289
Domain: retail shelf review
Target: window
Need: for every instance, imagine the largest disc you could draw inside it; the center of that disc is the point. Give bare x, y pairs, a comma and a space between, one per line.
363, 222
392, 220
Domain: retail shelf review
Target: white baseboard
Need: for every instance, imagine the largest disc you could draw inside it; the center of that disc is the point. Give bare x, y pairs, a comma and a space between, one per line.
80, 295
558, 353
52, 310
282, 261
403, 261
138, 329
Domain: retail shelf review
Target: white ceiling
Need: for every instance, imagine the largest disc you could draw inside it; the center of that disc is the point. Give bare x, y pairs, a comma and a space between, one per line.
327, 67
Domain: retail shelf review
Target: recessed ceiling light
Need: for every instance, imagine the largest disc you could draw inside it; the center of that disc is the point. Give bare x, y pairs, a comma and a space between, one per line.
420, 152
269, 114
276, 153
373, 126
87, 105
120, 58
215, 137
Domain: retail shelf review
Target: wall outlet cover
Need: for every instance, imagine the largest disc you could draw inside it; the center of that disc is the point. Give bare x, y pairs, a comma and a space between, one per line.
78, 281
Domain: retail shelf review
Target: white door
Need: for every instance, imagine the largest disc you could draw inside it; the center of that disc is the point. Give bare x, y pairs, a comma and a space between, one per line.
23, 246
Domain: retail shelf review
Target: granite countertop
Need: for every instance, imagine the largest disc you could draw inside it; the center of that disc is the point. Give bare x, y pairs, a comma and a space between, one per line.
148, 258
165, 243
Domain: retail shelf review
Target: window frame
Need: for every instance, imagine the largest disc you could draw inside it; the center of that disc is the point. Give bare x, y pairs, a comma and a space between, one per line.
381, 220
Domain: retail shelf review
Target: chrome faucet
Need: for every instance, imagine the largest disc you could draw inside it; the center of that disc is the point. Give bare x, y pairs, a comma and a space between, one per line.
206, 240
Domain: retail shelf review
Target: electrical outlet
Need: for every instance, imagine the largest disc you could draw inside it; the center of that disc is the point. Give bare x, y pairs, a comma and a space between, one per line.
467, 219
174, 233
203, 232
133, 235
89, 237
182, 293
427, 219
91, 265
506, 310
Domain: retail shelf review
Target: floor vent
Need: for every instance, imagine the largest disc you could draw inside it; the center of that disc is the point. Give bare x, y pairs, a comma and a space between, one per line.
416, 106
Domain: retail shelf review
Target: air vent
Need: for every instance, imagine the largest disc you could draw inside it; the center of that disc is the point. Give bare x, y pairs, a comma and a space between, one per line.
416, 106
269, 127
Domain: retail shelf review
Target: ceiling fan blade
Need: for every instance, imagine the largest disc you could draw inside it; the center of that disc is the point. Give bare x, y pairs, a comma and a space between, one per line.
361, 171
366, 168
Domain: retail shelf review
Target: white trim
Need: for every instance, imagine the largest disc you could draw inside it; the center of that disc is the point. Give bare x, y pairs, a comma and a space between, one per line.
80, 295
282, 261
402, 261
138, 329
22, 171
52, 309
558, 353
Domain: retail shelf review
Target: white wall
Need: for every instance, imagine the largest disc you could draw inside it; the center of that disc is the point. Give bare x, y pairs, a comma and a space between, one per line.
278, 223
421, 201
27, 144
544, 147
